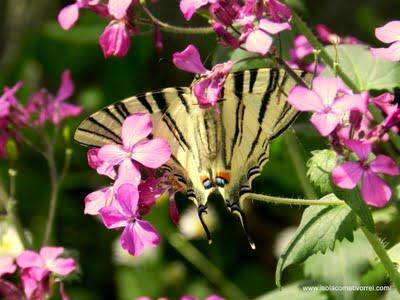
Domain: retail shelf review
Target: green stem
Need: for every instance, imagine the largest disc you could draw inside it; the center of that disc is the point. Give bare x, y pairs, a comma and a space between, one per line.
299, 165
210, 271
177, 29
383, 256
327, 200
303, 29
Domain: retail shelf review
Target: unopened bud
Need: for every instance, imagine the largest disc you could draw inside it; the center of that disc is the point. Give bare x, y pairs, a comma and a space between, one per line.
12, 151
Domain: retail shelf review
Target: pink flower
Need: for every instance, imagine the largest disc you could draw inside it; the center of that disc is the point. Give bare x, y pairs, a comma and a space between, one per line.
105, 196
116, 39
374, 190
69, 15
225, 12
34, 288
136, 147
54, 108
45, 262
329, 100
103, 168
7, 266
189, 7
158, 42
259, 39
389, 33
138, 234
327, 36
208, 88
385, 102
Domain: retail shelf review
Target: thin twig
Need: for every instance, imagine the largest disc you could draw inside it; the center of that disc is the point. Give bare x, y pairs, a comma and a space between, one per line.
293, 201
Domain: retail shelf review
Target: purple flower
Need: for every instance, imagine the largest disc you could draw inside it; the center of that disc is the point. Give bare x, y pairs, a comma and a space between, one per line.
390, 34
136, 147
259, 39
329, 100
374, 190
327, 36
225, 12
45, 262
124, 212
208, 88
115, 39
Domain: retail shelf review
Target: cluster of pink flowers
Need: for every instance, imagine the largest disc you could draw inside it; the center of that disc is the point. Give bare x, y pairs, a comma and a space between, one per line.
116, 37
302, 49
344, 118
130, 197
38, 273
41, 107
250, 23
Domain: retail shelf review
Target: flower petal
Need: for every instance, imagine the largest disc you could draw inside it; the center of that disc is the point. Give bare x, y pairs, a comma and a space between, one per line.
347, 175
97, 200
128, 198
189, 60
66, 87
374, 190
51, 253
28, 259
115, 40
362, 149
304, 99
137, 236
173, 209
112, 217
327, 88
118, 8
391, 53
389, 32
273, 27
127, 173
153, 153
258, 41
63, 266
112, 154
136, 128
349, 102
189, 7
7, 265
325, 122
68, 16
384, 164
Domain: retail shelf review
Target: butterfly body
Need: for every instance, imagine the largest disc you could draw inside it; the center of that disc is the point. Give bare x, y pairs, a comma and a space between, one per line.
220, 148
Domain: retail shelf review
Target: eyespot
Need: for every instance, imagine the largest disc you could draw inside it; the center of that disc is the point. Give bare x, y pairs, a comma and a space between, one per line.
220, 181
207, 184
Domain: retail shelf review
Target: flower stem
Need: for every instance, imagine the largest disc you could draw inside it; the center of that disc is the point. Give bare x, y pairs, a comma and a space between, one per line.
210, 271
326, 200
303, 29
299, 165
383, 256
177, 29
55, 181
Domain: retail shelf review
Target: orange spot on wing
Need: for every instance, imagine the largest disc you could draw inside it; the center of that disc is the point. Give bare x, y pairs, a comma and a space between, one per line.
225, 175
203, 178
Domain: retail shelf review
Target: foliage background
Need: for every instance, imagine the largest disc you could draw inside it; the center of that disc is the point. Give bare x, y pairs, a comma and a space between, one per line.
34, 49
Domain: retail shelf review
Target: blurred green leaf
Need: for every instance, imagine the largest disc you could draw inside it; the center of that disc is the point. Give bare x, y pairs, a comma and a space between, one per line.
245, 60
320, 166
367, 72
394, 254
295, 291
318, 231
343, 266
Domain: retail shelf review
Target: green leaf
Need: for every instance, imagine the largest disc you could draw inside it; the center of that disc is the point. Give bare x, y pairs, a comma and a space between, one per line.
320, 228
367, 72
341, 267
320, 166
353, 199
394, 254
295, 291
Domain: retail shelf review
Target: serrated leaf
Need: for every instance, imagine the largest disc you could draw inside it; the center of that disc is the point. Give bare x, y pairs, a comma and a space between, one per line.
320, 166
295, 291
341, 267
367, 72
319, 229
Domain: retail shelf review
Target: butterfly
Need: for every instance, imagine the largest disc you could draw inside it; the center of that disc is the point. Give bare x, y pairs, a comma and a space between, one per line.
219, 149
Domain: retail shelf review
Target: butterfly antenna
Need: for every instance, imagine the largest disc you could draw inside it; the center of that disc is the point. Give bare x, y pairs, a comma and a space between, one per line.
235, 209
200, 210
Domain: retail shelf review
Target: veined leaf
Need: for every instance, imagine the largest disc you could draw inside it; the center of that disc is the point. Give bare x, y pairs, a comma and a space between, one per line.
320, 228
320, 166
366, 71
